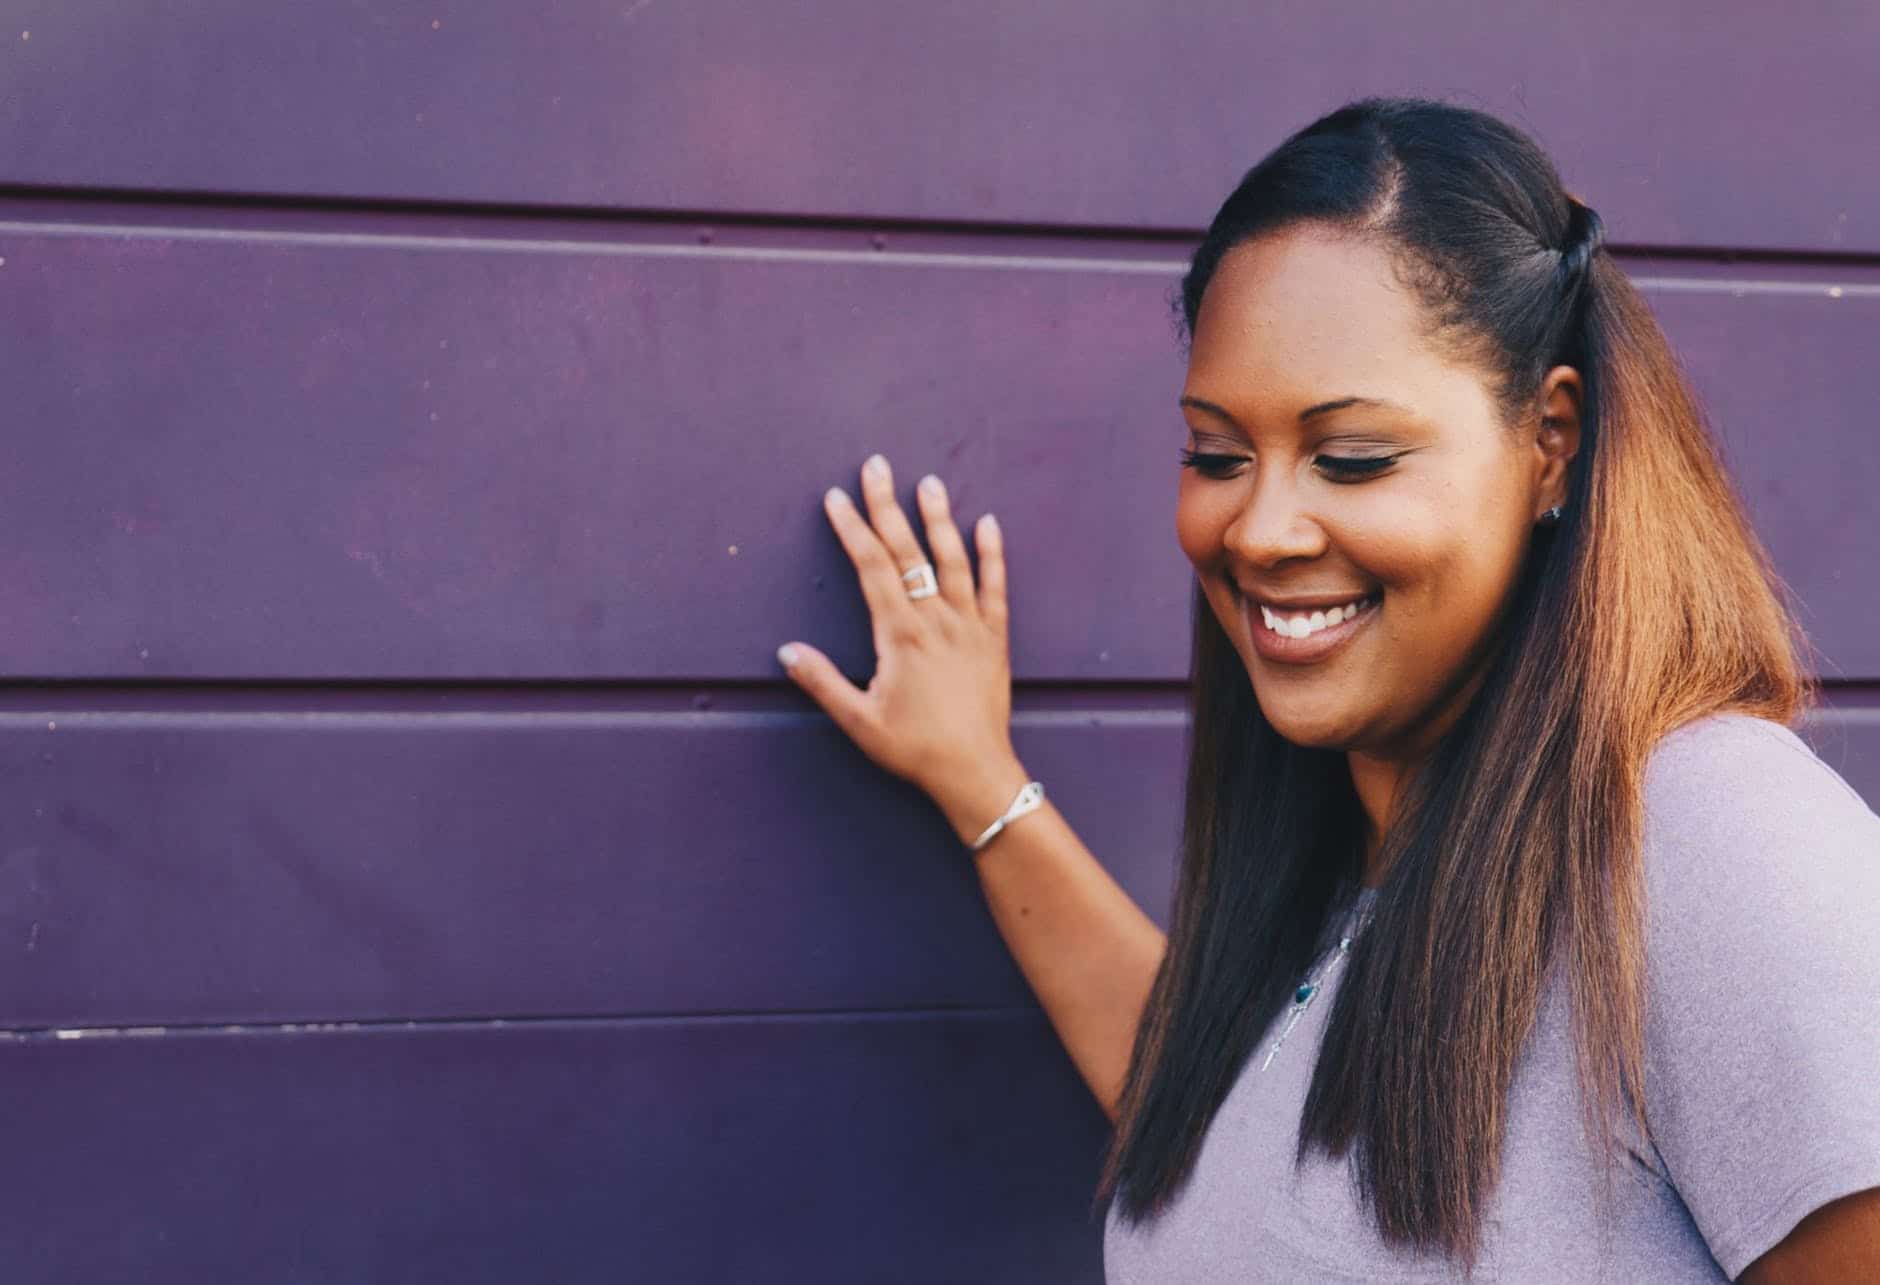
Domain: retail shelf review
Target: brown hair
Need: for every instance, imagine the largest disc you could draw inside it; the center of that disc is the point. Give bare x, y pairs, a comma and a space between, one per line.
1517, 841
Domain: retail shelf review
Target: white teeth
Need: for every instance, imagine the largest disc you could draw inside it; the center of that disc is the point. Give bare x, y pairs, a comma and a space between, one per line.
1302, 626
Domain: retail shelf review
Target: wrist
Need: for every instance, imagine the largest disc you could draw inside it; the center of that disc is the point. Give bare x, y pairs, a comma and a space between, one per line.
973, 802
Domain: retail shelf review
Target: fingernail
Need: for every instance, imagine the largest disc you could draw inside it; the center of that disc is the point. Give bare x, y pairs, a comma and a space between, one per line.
931, 488
875, 466
835, 495
787, 655
990, 523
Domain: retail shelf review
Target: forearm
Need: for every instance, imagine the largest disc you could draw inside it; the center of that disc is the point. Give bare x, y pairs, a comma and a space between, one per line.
1088, 951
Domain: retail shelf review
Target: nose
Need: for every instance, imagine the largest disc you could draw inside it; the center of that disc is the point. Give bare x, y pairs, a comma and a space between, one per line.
1275, 524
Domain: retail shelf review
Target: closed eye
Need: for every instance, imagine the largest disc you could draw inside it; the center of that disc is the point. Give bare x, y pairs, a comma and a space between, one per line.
1353, 468
1337, 468
1215, 466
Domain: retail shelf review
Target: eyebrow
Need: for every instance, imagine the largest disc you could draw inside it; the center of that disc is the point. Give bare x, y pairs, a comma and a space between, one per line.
1322, 408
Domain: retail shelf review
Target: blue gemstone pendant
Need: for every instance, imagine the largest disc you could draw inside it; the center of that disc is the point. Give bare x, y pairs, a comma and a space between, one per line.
1302, 997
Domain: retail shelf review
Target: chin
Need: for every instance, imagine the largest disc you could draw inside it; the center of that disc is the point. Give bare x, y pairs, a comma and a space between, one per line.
1321, 729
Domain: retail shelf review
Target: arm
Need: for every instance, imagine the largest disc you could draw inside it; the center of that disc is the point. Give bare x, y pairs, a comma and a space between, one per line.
937, 713
1089, 952
1838, 1242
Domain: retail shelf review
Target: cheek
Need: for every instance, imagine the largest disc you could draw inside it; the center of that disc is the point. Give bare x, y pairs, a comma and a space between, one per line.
1450, 575
1200, 518
1409, 548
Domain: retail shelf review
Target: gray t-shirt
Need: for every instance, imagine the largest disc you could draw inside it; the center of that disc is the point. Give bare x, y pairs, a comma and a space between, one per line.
1762, 873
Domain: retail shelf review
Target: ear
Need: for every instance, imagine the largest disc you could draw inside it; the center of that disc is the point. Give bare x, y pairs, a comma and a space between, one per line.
1557, 440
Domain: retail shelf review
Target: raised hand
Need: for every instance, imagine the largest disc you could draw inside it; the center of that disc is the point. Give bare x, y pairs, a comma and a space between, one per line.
938, 710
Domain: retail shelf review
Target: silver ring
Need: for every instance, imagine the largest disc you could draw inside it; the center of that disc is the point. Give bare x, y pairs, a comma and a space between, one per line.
920, 582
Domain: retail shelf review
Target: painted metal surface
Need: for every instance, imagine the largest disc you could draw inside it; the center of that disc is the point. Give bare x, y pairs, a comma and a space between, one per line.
320, 455
1122, 113
231, 866
399, 800
889, 1147
244, 866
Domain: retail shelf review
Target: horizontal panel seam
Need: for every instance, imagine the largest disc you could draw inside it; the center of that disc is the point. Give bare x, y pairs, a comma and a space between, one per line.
275, 720
782, 254
375, 1026
1839, 699
30, 708
507, 245
733, 221
1744, 286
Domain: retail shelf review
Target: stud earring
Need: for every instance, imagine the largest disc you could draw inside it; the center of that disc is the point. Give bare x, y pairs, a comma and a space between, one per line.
1552, 516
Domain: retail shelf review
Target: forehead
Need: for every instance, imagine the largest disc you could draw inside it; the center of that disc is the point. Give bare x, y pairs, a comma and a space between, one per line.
1304, 314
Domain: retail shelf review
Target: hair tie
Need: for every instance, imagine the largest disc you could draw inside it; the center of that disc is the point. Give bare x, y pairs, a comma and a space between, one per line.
1586, 232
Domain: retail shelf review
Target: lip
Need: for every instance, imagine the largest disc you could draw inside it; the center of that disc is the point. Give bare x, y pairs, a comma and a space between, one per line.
1313, 648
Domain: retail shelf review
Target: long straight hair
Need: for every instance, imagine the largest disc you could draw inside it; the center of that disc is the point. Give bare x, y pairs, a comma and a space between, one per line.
1517, 840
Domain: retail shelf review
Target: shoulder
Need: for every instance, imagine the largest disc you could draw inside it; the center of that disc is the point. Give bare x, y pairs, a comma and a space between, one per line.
1757, 857
1733, 755
1761, 867
1731, 796
1762, 1023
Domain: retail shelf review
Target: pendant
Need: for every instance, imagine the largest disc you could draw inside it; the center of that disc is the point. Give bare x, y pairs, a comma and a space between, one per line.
1302, 1000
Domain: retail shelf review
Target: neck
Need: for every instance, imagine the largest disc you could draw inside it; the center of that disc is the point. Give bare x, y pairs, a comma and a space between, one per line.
1378, 774
1376, 781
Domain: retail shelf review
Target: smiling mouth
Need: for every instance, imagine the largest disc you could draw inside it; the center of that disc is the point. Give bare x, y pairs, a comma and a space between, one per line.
1306, 636
1304, 624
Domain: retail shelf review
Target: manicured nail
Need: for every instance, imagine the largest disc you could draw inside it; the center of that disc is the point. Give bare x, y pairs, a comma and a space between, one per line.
787, 655
931, 488
990, 524
875, 466
835, 495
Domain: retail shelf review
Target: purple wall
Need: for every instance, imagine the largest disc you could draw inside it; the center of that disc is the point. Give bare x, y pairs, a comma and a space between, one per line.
413, 867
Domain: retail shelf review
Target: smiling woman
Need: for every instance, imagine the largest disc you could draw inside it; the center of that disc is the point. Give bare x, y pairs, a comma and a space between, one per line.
1492, 796
1418, 503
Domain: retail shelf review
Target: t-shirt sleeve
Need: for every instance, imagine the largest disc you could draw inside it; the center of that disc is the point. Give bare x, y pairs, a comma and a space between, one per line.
1762, 876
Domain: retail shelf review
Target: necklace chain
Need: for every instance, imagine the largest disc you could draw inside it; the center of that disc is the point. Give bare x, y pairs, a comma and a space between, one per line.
1308, 990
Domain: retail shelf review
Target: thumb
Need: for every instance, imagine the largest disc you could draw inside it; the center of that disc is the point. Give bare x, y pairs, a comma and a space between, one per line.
816, 674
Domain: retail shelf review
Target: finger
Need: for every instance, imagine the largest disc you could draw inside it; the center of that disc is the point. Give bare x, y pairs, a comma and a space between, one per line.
949, 551
881, 582
890, 522
817, 675
991, 573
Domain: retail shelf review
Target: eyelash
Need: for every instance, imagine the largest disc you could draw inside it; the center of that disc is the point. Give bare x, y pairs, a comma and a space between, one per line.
1340, 468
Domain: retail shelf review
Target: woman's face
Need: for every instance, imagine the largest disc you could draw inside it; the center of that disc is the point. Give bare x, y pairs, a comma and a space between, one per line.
1361, 508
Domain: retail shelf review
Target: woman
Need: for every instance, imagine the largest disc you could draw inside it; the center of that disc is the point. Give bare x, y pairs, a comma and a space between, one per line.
1515, 932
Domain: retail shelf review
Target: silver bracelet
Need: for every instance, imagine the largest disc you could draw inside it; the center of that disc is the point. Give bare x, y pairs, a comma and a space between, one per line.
1029, 799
